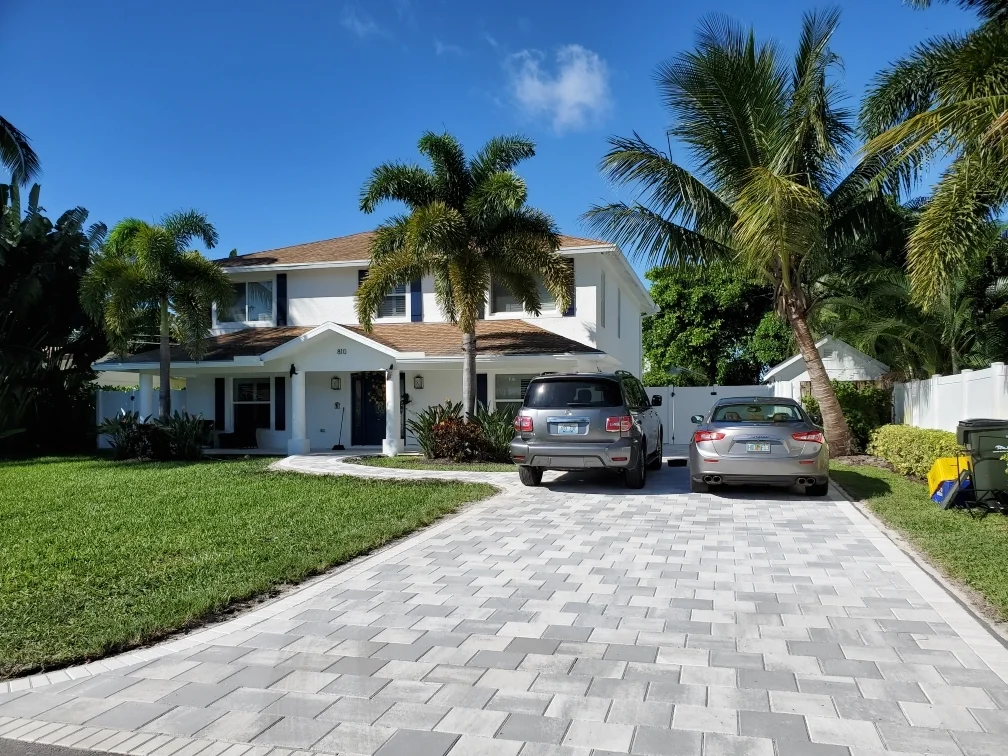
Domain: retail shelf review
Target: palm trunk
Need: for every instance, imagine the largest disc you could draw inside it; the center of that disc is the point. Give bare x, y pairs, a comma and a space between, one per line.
164, 393
468, 374
835, 425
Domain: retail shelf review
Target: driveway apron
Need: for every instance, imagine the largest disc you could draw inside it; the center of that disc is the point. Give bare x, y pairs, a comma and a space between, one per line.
568, 619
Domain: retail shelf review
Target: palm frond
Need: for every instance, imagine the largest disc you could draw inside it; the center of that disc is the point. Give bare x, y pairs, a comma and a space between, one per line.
448, 166
186, 226
499, 155
397, 182
17, 155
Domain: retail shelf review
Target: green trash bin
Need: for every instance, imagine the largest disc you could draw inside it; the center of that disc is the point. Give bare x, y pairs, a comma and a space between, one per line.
986, 441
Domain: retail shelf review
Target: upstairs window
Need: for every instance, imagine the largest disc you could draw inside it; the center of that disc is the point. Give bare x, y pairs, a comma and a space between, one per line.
253, 303
394, 303
502, 300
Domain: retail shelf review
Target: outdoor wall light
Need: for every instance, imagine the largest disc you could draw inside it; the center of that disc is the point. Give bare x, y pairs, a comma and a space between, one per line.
334, 383
293, 370
418, 382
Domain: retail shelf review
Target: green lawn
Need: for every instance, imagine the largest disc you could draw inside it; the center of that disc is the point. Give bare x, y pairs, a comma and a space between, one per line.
98, 556
414, 462
971, 550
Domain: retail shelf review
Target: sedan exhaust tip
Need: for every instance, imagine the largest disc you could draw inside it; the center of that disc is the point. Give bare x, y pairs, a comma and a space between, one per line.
805, 481
712, 479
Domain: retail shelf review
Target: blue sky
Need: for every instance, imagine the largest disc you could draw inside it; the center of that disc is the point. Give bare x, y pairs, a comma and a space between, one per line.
269, 116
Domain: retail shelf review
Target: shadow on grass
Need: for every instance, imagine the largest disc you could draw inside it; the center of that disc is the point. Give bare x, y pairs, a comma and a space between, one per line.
859, 484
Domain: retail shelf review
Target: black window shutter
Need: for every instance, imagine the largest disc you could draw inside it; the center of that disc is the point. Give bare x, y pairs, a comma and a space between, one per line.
416, 301
281, 303
219, 403
569, 312
481, 389
280, 403
361, 275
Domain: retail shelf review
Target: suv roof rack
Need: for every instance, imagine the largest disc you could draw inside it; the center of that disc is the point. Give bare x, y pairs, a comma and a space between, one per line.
623, 372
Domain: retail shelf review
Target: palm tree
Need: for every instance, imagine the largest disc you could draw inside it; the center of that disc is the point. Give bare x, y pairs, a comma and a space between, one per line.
769, 195
16, 154
145, 274
947, 99
467, 224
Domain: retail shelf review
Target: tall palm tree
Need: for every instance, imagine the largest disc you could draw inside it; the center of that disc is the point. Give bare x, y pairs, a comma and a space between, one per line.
947, 99
16, 154
467, 224
146, 273
768, 195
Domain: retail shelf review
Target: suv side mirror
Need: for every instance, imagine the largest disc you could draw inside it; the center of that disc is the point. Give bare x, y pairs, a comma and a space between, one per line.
656, 400
696, 419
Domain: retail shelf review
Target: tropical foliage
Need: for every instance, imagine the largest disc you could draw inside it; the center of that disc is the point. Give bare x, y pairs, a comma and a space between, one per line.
146, 274
442, 433
180, 437
714, 326
467, 224
17, 155
47, 343
769, 195
947, 100
866, 407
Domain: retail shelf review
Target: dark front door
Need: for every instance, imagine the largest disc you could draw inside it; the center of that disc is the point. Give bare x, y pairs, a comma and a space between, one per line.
367, 409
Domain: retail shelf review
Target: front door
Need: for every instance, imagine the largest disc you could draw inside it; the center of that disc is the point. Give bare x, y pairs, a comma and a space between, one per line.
367, 401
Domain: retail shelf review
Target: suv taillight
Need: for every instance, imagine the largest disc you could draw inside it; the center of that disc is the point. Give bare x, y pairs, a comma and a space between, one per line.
707, 436
523, 424
814, 436
620, 424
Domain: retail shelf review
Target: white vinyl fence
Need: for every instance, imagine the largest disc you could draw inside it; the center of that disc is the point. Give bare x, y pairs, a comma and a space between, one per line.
108, 404
943, 400
679, 404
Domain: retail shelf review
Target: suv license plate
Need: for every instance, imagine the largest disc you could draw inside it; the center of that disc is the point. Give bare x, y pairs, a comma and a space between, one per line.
764, 448
567, 428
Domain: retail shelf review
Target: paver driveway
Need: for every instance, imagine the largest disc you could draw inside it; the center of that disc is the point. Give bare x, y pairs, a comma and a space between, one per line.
564, 619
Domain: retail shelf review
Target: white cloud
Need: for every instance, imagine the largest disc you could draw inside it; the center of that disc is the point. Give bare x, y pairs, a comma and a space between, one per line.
574, 95
441, 48
360, 23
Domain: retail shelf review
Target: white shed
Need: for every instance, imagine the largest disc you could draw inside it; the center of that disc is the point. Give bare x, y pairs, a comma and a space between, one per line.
842, 362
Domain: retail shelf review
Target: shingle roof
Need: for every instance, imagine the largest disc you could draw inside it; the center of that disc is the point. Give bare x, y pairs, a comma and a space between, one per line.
245, 343
499, 337
341, 249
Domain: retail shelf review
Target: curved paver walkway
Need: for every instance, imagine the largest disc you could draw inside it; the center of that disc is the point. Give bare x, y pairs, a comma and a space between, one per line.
557, 620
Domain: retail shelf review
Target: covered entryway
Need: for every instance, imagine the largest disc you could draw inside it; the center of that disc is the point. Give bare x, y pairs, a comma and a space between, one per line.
367, 408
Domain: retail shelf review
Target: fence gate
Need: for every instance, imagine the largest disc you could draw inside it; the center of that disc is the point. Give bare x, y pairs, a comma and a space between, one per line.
680, 403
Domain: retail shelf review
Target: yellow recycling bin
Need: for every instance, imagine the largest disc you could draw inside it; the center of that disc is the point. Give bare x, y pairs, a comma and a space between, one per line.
948, 476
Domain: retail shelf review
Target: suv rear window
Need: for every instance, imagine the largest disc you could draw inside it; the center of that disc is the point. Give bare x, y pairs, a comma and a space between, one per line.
573, 392
757, 412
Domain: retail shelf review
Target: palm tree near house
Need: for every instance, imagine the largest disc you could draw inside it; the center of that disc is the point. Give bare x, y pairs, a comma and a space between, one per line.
467, 224
17, 155
769, 194
947, 99
146, 273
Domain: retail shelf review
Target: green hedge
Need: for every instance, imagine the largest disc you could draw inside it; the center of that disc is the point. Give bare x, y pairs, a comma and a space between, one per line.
910, 450
864, 407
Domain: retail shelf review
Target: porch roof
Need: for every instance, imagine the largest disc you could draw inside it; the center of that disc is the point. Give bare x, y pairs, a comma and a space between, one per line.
511, 338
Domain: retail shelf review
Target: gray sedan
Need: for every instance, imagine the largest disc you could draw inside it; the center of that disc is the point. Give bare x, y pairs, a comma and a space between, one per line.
762, 440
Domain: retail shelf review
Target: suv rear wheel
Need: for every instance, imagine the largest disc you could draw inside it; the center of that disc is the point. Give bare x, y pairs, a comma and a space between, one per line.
636, 476
530, 476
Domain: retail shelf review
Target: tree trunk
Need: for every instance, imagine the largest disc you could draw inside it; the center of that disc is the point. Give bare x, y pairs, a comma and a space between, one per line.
468, 374
835, 425
164, 393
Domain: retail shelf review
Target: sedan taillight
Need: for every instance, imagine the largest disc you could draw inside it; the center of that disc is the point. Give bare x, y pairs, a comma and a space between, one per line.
523, 424
619, 424
707, 436
815, 437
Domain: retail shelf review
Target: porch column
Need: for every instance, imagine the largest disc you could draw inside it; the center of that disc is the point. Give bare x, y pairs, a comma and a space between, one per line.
146, 395
390, 446
298, 443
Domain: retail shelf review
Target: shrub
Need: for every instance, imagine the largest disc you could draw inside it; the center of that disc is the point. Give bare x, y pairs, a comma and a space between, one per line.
460, 441
422, 426
865, 408
910, 450
127, 435
498, 430
182, 436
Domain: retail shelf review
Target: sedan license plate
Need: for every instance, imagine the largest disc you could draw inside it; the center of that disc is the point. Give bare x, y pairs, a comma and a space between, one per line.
759, 448
567, 428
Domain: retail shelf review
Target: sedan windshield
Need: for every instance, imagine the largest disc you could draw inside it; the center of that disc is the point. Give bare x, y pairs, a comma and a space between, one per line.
574, 392
757, 413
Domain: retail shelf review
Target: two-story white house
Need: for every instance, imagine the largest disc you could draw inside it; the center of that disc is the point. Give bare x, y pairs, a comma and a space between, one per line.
290, 369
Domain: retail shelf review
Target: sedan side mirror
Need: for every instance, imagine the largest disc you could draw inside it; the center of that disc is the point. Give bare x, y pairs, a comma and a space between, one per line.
696, 419
656, 400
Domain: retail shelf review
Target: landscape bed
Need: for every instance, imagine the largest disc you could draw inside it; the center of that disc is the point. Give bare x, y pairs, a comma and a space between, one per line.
100, 556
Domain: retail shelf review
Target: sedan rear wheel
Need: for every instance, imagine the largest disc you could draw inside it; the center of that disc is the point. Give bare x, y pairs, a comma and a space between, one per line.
530, 476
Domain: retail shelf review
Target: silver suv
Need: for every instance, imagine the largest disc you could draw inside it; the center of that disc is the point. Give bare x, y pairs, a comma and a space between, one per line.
572, 421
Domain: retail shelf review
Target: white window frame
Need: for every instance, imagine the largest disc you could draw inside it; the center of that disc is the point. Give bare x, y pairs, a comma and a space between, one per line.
255, 379
524, 378
405, 294
271, 280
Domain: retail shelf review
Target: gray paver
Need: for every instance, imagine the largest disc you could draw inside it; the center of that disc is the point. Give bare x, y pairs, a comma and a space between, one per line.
574, 616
